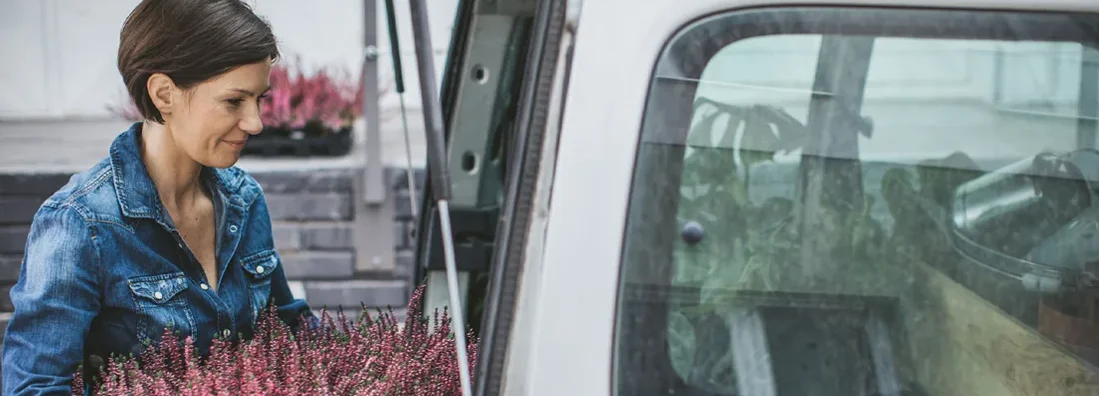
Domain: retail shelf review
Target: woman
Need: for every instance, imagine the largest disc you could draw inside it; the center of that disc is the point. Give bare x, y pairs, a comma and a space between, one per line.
164, 232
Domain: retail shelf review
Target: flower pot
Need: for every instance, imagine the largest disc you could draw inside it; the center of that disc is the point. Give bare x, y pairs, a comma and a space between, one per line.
313, 140
339, 142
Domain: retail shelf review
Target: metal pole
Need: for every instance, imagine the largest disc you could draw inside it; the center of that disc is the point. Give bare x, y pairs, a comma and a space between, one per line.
374, 193
398, 76
436, 158
1087, 107
373, 215
830, 174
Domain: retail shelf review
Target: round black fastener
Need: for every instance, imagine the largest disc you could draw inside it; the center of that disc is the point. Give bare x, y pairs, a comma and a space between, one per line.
692, 233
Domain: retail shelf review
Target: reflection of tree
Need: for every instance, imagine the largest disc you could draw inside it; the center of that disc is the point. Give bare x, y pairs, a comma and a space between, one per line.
757, 246
744, 239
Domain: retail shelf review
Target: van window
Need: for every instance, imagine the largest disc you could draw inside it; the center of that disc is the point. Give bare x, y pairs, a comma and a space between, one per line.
866, 202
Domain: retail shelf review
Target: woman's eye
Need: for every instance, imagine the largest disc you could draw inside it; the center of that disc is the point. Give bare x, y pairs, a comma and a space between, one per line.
235, 102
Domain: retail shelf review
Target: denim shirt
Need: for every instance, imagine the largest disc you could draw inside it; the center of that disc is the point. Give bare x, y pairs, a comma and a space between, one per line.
105, 271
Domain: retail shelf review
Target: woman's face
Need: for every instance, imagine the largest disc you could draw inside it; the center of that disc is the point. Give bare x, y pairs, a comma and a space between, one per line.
211, 121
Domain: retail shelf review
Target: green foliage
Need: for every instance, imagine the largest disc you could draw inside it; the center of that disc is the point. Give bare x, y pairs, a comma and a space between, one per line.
763, 246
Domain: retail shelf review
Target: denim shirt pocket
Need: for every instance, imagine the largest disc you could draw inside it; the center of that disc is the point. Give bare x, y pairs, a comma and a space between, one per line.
160, 304
259, 267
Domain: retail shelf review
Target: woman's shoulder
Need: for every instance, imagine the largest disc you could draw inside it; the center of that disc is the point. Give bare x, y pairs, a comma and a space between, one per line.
66, 217
87, 192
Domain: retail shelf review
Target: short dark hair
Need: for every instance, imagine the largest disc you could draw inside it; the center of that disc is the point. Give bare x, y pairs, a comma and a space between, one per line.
190, 41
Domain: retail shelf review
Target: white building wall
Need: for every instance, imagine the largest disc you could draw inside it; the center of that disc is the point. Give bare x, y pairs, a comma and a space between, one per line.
59, 55
60, 58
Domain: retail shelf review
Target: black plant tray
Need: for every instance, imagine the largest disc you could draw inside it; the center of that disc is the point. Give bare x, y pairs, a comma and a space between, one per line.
311, 142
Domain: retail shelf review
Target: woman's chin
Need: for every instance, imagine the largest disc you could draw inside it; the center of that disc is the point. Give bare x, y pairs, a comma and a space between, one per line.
222, 160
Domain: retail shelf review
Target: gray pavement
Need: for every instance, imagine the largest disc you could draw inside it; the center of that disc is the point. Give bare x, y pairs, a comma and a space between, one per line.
49, 146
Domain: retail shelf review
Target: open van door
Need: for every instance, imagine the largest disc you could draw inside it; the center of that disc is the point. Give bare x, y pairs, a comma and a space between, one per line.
495, 92
720, 197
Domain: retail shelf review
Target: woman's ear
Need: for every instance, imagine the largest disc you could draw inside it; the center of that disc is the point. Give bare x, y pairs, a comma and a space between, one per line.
161, 89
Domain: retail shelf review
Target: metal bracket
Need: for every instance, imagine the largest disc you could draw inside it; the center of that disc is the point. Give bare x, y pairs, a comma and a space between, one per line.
470, 142
474, 232
474, 175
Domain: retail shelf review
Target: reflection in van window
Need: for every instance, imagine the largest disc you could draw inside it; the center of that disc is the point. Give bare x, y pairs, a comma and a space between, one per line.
912, 213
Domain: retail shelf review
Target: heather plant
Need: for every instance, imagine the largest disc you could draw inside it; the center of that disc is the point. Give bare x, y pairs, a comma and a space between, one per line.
328, 99
374, 355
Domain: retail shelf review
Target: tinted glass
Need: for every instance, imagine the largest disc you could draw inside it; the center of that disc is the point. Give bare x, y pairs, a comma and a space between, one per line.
866, 202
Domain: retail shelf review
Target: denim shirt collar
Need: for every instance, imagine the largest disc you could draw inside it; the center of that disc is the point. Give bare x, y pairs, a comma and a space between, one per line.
137, 195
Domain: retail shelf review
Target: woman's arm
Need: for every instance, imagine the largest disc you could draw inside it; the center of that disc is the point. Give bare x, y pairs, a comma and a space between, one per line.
55, 300
290, 309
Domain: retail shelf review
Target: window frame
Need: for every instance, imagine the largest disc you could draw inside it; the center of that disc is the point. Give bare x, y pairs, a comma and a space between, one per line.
668, 109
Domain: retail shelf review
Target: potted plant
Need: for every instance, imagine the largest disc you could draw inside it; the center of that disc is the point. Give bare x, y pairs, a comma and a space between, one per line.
303, 114
308, 114
375, 355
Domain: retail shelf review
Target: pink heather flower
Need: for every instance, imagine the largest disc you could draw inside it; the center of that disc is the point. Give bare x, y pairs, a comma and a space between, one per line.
336, 356
276, 108
329, 98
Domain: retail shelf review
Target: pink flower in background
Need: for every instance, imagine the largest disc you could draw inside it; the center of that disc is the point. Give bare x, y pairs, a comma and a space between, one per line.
275, 110
326, 97
297, 99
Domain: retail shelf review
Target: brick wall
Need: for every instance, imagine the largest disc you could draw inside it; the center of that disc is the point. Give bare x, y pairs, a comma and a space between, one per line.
317, 230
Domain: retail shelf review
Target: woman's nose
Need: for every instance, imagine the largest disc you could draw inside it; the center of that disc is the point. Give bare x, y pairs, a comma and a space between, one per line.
251, 124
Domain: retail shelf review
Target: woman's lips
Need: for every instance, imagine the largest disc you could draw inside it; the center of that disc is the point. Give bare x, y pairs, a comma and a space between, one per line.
236, 144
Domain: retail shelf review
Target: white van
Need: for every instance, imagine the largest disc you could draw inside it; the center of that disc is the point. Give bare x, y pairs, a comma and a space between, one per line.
768, 198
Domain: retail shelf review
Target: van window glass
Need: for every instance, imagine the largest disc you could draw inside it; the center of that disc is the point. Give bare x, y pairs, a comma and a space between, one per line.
866, 202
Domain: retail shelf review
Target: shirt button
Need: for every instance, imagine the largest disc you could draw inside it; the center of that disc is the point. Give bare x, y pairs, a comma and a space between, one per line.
225, 332
233, 228
260, 269
158, 296
204, 286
